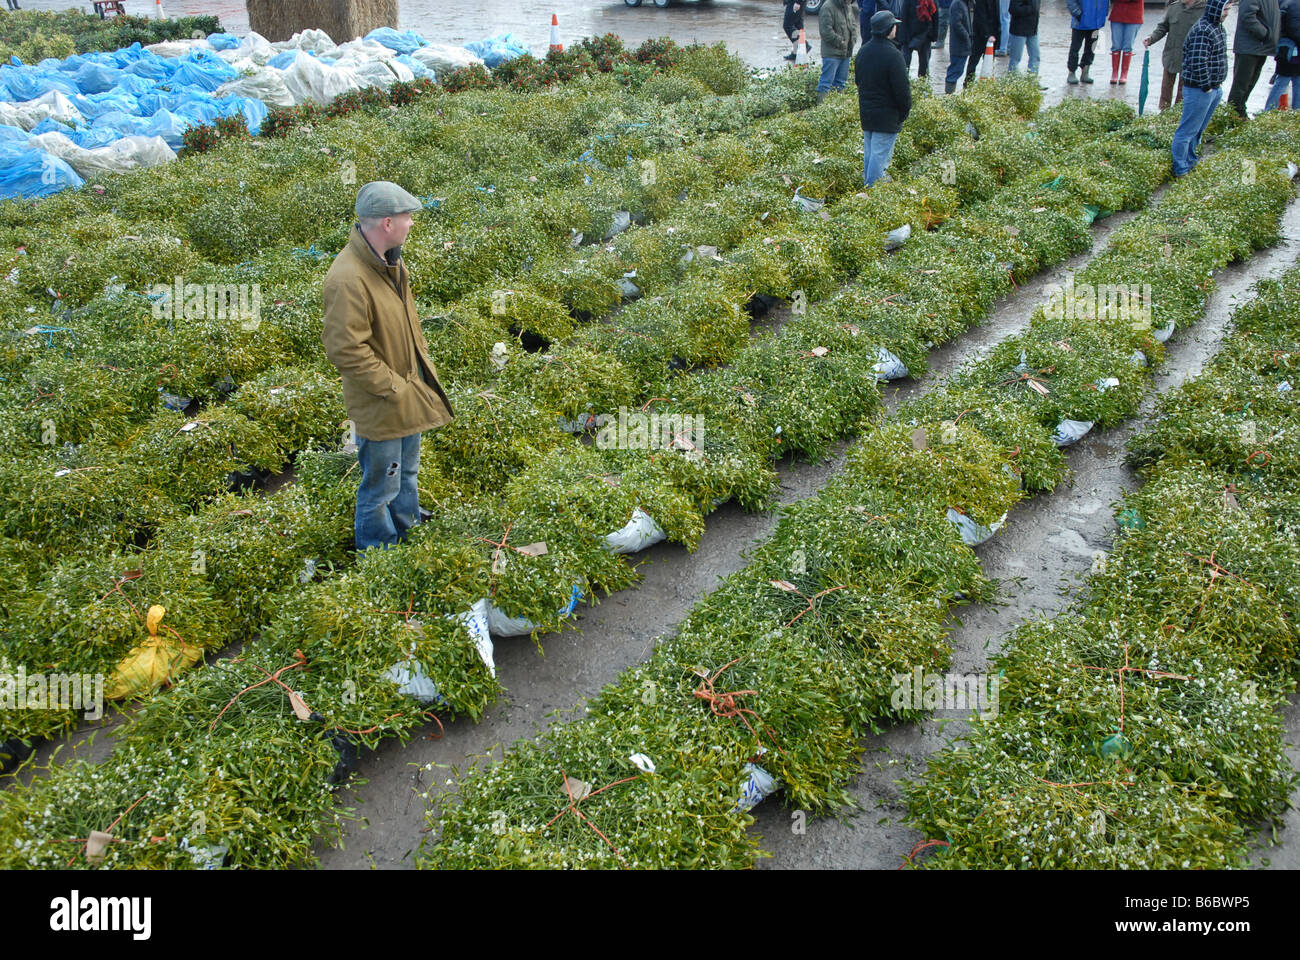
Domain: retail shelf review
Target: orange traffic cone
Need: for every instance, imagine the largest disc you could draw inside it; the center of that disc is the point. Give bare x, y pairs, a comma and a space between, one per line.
555, 33
986, 64
158, 9
1284, 102
801, 54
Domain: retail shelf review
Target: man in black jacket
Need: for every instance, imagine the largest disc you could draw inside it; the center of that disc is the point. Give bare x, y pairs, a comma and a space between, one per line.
986, 21
884, 97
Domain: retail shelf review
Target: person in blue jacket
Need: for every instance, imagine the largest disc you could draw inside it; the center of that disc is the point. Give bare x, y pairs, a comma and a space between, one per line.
1087, 17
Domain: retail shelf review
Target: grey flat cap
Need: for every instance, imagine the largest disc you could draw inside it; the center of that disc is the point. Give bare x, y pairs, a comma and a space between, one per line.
381, 198
882, 21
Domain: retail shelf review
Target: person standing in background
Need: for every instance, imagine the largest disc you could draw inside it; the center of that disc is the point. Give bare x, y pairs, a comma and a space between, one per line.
943, 6
984, 20
1259, 26
1086, 18
791, 24
1004, 27
1288, 57
1173, 26
884, 95
1024, 34
839, 37
919, 28
960, 44
1125, 21
1205, 67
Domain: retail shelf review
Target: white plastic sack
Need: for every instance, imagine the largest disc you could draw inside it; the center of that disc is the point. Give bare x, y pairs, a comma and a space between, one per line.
1139, 359
412, 682
622, 220
897, 237
411, 679
637, 534
265, 84
178, 48
758, 785
128, 153
1071, 431
29, 113
501, 624
807, 204
443, 58
476, 622
313, 41
363, 49
972, 533
629, 289
1164, 333
888, 366
307, 79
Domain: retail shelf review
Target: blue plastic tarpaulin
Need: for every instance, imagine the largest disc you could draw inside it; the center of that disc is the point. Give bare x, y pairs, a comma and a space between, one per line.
35, 173
497, 50
403, 42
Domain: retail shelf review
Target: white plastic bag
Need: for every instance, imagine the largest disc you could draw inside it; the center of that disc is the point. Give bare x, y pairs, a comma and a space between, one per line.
1164, 333
29, 113
637, 534
758, 785
972, 533
897, 237
622, 220
888, 366
265, 84
1071, 431
443, 58
128, 153
312, 41
307, 79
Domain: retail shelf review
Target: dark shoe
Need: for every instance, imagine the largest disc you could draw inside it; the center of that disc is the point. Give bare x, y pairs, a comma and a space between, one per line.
1072, 78
788, 56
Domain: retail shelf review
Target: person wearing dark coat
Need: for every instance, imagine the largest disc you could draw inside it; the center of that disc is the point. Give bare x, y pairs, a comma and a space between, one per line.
1288, 57
1023, 35
918, 31
1259, 25
985, 22
791, 24
960, 43
884, 95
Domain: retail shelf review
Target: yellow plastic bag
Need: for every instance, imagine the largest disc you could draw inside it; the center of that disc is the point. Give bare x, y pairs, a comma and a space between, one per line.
156, 660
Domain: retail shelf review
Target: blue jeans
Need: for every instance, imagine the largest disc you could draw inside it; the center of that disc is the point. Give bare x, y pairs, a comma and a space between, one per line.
877, 151
1279, 87
1004, 20
835, 73
956, 69
388, 501
1122, 36
1198, 107
1016, 46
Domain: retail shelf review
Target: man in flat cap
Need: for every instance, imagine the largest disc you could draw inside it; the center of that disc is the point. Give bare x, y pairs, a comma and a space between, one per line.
372, 334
